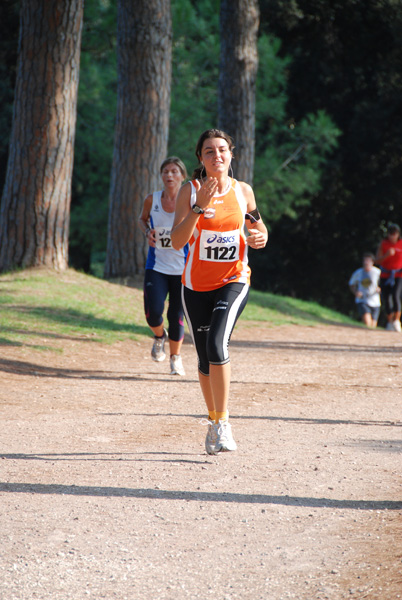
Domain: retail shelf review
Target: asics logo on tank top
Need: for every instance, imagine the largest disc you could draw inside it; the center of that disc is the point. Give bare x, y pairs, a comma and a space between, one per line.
226, 239
209, 213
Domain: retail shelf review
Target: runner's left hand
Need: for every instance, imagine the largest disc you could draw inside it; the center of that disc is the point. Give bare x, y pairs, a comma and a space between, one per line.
256, 239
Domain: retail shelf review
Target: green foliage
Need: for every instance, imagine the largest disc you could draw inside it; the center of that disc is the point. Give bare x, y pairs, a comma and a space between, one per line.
290, 154
346, 58
94, 134
195, 72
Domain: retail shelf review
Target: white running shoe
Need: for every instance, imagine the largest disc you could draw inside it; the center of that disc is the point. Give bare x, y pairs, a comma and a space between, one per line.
158, 348
210, 440
176, 365
397, 326
224, 437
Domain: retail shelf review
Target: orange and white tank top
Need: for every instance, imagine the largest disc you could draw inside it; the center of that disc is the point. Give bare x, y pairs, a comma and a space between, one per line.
217, 249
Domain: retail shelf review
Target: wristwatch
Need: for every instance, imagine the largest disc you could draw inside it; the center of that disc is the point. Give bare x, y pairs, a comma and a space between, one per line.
197, 209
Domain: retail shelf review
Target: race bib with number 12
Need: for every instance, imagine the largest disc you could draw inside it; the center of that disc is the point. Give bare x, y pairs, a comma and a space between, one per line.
162, 237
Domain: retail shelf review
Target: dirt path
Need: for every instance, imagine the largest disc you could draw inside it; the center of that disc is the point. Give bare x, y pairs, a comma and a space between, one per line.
106, 490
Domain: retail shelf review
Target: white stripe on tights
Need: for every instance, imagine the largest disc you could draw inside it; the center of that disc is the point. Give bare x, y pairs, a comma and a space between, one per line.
234, 309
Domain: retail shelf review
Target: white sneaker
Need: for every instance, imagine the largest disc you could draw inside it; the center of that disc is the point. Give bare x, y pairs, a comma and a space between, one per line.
210, 440
397, 326
176, 365
158, 348
224, 437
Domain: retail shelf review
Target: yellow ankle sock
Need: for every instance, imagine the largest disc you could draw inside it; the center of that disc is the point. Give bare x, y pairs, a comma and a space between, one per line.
221, 415
211, 415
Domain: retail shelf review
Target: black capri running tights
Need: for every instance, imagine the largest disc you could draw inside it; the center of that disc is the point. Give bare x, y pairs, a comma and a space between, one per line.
391, 295
211, 317
156, 288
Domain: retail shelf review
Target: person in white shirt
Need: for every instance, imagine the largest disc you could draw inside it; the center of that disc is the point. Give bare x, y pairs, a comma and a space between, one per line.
364, 285
164, 265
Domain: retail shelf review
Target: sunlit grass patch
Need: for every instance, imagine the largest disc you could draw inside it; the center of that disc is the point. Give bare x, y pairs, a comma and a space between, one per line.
42, 304
40, 308
279, 310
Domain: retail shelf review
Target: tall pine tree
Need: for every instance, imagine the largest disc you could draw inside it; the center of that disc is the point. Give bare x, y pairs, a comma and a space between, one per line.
34, 214
144, 47
239, 21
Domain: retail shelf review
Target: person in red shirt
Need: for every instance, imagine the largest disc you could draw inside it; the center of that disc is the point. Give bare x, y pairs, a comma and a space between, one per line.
389, 259
211, 213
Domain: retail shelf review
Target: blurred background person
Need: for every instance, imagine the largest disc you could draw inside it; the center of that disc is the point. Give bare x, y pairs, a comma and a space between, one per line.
164, 266
389, 258
364, 285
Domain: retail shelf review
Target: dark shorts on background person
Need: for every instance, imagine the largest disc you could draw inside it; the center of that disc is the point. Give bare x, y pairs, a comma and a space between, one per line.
157, 287
391, 295
363, 309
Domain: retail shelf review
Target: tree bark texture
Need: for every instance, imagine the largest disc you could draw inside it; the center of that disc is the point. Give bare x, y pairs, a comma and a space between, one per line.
239, 22
144, 49
35, 208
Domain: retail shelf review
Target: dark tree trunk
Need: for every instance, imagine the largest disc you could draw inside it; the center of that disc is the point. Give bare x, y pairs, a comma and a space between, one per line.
144, 48
239, 21
35, 208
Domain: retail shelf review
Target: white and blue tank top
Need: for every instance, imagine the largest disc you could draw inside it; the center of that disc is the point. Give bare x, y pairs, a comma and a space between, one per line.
164, 258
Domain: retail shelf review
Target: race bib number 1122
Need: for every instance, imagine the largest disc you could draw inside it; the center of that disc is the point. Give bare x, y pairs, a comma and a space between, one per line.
219, 246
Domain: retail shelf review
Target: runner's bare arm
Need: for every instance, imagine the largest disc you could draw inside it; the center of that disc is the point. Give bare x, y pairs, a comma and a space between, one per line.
144, 220
381, 256
185, 219
258, 232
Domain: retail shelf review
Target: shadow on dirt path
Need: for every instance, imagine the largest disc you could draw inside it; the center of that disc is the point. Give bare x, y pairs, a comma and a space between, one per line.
107, 492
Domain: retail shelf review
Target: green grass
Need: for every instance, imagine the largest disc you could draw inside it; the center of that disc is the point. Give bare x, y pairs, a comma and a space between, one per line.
39, 309
281, 310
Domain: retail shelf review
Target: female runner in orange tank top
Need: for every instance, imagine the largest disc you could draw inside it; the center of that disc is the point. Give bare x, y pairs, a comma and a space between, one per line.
211, 212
